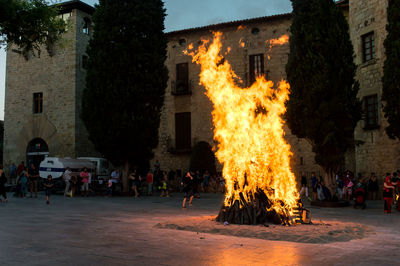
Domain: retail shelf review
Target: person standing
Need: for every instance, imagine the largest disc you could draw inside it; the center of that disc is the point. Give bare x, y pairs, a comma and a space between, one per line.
67, 180
20, 168
304, 187
13, 173
206, 181
85, 182
3, 181
373, 186
48, 186
114, 180
24, 182
135, 182
188, 184
164, 185
314, 183
33, 179
388, 193
149, 180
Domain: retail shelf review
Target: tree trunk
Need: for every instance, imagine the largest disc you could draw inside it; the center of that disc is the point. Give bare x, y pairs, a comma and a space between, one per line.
125, 174
329, 180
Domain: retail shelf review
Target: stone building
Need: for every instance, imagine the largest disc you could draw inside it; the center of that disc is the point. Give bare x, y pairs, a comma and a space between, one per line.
186, 118
43, 95
378, 153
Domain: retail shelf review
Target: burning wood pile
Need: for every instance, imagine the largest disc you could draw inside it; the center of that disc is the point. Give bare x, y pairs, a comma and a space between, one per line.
249, 130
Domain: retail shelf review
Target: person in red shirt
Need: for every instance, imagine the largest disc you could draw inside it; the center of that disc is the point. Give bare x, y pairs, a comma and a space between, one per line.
85, 182
149, 180
388, 193
20, 168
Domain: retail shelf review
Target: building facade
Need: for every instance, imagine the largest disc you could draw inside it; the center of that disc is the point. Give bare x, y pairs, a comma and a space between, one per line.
43, 95
186, 118
377, 153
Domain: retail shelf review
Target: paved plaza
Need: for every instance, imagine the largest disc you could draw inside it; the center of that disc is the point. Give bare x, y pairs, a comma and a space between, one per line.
121, 231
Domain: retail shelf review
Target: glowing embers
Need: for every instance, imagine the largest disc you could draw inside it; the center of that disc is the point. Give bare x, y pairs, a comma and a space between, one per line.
248, 127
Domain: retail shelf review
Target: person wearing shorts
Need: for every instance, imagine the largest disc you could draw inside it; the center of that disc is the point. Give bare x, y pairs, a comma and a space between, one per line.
188, 189
48, 186
85, 182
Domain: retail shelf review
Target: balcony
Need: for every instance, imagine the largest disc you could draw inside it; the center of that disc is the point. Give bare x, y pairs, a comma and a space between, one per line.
181, 87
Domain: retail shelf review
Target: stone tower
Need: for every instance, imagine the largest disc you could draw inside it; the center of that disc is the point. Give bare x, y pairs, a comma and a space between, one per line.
43, 95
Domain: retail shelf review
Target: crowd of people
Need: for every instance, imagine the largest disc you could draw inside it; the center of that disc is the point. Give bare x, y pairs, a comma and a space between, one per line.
164, 182
347, 186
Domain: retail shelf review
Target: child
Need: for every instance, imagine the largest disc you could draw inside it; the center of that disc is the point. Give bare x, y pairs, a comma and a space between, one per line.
109, 188
164, 187
48, 185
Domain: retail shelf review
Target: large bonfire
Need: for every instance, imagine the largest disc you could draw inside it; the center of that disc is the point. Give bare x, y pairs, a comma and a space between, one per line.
248, 127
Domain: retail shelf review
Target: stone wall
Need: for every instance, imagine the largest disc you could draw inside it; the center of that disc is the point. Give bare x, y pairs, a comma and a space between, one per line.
55, 77
378, 154
200, 106
61, 79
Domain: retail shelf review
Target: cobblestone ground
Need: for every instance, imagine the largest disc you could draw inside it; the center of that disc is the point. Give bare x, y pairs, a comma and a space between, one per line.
120, 231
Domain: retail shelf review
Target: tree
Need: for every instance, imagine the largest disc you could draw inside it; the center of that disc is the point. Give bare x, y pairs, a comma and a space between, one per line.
323, 106
126, 80
202, 158
29, 24
391, 71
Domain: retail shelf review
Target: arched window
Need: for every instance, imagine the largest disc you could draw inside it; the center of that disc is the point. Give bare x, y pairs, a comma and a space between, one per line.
86, 26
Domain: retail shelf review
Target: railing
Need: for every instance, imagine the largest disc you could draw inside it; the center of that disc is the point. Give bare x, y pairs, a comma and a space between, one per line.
181, 88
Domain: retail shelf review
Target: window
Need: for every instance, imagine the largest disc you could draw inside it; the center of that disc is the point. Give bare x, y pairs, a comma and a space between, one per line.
86, 26
371, 111
183, 131
38, 103
256, 67
182, 79
368, 47
255, 31
84, 61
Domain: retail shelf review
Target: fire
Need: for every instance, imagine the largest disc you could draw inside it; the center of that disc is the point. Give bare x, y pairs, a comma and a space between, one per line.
248, 127
280, 41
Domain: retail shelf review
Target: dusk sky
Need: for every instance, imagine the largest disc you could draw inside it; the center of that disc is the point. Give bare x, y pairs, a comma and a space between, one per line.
183, 14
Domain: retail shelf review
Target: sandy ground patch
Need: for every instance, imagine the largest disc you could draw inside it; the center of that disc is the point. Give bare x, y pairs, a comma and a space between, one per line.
321, 231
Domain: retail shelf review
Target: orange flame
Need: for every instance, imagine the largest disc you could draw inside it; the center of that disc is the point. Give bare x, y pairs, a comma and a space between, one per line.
280, 41
248, 127
241, 43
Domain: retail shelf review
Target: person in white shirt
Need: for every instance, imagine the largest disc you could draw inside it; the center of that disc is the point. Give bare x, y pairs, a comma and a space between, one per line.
67, 178
114, 179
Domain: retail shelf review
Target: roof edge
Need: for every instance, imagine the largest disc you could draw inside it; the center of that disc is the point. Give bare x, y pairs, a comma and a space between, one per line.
68, 6
231, 23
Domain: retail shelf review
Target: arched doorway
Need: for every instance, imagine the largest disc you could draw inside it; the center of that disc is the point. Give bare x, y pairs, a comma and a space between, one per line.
36, 151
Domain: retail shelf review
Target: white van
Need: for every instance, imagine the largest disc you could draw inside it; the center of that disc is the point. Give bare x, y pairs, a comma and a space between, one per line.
56, 167
102, 166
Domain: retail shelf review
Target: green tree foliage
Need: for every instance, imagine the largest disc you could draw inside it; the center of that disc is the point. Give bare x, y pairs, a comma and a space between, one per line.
202, 158
323, 105
29, 24
391, 74
126, 80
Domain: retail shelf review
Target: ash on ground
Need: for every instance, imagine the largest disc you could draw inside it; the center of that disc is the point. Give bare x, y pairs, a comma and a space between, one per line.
317, 232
